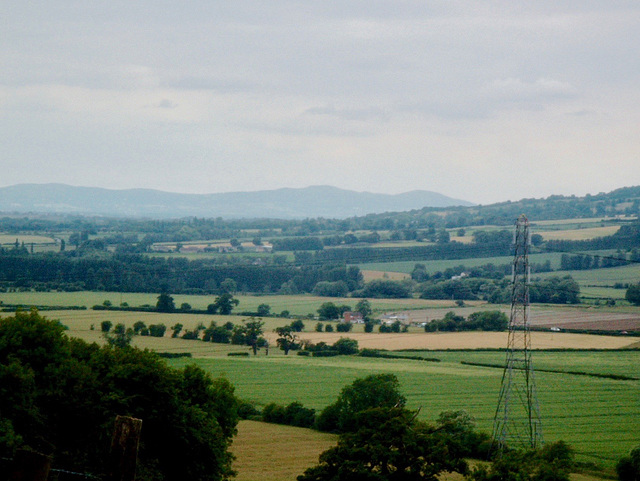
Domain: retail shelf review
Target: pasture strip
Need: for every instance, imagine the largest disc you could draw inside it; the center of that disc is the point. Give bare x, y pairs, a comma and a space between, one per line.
617, 377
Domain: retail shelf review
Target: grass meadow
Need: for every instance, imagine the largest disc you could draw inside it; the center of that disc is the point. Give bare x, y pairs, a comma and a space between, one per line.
297, 305
434, 266
599, 417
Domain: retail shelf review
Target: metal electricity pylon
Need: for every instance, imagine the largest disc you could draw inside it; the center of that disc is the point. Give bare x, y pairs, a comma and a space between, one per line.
517, 421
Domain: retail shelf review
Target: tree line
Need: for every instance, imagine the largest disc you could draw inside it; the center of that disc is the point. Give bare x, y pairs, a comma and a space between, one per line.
139, 273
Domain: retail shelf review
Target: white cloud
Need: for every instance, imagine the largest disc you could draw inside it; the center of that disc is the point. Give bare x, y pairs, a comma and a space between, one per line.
387, 96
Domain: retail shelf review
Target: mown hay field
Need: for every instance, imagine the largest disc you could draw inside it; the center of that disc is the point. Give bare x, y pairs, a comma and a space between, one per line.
86, 325
270, 452
578, 234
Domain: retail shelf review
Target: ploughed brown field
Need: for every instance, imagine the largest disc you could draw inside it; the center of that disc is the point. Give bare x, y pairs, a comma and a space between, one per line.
563, 317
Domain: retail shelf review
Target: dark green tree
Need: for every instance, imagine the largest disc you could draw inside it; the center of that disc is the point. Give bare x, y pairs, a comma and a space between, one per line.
553, 462
364, 307
488, 320
176, 329
287, 340
628, 467
328, 311
157, 330
263, 310
633, 294
389, 444
138, 326
228, 286
377, 390
165, 303
346, 346
60, 395
253, 333
223, 304
297, 325
120, 336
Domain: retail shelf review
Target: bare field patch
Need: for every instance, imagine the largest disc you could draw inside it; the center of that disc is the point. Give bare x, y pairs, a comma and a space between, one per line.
541, 316
271, 452
394, 276
579, 234
469, 340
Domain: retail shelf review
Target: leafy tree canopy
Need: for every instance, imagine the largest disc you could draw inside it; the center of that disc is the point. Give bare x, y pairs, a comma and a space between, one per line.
377, 390
550, 463
388, 445
628, 467
60, 396
633, 294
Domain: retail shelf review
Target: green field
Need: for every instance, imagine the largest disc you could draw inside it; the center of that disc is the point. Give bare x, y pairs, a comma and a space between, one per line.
298, 305
606, 277
599, 417
434, 266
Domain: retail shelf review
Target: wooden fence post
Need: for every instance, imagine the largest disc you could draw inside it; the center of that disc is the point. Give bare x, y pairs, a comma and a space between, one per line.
30, 466
124, 449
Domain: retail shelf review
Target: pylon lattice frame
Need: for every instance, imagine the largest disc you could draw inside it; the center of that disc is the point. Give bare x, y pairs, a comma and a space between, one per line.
517, 421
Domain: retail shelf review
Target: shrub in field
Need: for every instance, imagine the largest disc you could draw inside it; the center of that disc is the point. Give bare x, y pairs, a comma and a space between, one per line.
327, 353
633, 294
105, 326
263, 310
395, 327
553, 462
176, 329
247, 410
157, 330
297, 325
628, 467
346, 346
344, 327
295, 414
481, 321
138, 326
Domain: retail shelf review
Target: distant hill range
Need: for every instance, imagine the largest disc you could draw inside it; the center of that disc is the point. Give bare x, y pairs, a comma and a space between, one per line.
316, 201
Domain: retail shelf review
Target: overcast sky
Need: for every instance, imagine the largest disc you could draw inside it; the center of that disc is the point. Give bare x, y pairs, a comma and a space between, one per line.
480, 100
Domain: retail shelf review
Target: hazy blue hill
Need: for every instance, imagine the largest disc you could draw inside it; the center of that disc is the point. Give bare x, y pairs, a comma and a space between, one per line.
316, 201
